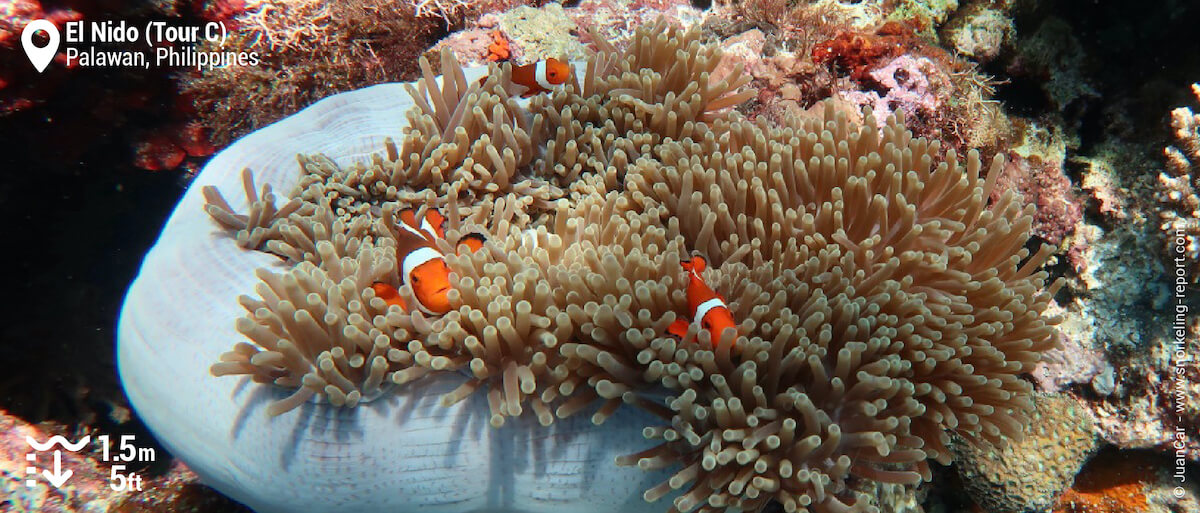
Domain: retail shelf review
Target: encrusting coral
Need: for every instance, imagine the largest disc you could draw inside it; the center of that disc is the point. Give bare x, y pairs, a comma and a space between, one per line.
882, 299
1029, 474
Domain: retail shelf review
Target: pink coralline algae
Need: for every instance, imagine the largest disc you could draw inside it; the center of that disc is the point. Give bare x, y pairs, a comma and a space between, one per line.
915, 85
1043, 184
1070, 363
470, 47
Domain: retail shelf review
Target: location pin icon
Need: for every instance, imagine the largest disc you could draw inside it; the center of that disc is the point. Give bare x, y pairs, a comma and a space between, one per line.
40, 57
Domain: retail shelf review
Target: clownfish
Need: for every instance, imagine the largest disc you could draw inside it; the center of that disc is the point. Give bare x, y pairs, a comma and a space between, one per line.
541, 76
433, 223
389, 294
706, 306
422, 265
473, 241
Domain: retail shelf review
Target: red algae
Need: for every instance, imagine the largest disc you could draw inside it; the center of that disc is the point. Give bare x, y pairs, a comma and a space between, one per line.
860, 52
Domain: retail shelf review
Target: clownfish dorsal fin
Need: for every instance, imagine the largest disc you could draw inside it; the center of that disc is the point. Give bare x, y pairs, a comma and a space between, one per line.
433, 223
428, 223
473, 241
696, 265
408, 216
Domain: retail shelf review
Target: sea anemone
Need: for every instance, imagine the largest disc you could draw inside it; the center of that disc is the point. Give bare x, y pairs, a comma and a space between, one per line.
882, 300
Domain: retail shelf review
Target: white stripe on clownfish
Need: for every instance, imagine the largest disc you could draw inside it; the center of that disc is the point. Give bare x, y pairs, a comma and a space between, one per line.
417, 257
702, 310
414, 231
539, 75
427, 227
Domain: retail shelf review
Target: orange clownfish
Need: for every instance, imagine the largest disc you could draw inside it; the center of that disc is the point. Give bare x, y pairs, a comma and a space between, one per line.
422, 265
707, 307
389, 294
541, 76
432, 224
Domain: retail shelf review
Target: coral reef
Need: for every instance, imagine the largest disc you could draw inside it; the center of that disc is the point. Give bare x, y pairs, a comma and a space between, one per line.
309, 50
1036, 169
915, 85
1029, 472
864, 338
558, 30
1153, 408
1119, 320
978, 31
857, 53
542, 33
1109, 215
616, 21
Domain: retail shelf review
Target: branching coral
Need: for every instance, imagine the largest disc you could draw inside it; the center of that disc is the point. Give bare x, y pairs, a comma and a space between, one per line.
883, 300
1179, 187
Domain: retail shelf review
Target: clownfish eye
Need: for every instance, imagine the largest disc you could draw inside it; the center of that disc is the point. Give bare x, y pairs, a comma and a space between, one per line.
707, 325
416, 279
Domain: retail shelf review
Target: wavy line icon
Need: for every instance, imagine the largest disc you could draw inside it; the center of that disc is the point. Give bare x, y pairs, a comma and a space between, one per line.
57, 440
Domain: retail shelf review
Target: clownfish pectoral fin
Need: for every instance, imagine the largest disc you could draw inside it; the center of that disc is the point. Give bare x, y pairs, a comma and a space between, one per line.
679, 328
473, 241
389, 295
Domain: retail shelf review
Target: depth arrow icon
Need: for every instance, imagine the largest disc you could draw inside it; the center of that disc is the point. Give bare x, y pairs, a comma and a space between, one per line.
58, 477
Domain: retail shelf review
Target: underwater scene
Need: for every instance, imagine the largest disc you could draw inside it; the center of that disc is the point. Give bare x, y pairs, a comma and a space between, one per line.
600, 256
